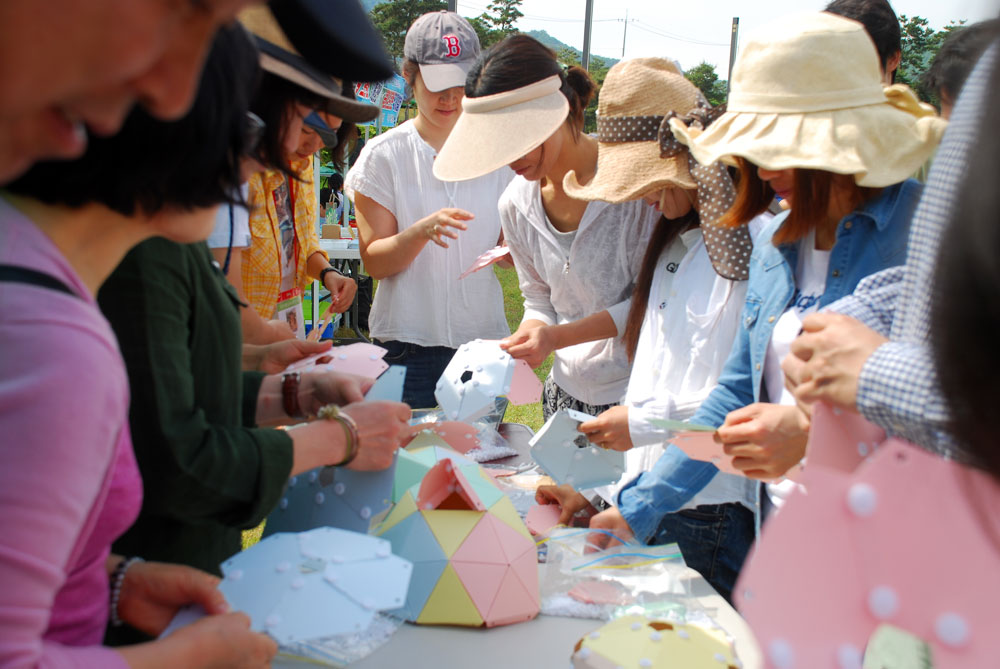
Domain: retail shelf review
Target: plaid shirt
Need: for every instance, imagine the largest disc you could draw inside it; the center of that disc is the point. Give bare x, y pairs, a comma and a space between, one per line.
262, 260
898, 387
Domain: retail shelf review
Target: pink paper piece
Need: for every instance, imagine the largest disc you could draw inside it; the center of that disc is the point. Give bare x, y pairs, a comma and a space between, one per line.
460, 436
525, 388
499, 473
597, 592
513, 603
542, 517
481, 546
702, 446
481, 581
873, 546
840, 439
495, 254
445, 487
362, 359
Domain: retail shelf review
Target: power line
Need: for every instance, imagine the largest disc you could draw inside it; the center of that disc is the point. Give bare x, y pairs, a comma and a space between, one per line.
649, 29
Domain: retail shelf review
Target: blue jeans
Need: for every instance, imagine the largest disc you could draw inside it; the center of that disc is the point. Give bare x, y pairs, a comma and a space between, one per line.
424, 366
714, 540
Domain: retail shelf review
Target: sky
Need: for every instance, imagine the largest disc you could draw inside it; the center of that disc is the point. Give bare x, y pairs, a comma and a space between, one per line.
691, 31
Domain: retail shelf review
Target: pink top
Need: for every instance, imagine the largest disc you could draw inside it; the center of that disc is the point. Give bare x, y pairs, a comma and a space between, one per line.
69, 484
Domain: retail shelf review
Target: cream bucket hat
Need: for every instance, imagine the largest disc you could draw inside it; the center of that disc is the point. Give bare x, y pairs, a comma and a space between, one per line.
495, 130
636, 95
806, 93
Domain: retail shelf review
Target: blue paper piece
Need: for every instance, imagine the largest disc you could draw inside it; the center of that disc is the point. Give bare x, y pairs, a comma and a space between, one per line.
332, 497
488, 493
282, 583
336, 497
388, 386
569, 458
425, 578
410, 470
370, 583
413, 537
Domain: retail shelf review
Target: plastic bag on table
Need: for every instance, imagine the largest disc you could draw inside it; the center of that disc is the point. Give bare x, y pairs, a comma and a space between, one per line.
338, 651
608, 583
492, 445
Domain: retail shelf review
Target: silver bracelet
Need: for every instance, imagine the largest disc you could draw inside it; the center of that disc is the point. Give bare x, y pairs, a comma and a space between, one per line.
117, 578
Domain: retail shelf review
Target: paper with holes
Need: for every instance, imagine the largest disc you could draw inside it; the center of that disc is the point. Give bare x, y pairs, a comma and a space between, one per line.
315, 584
566, 455
882, 544
474, 561
479, 372
335, 496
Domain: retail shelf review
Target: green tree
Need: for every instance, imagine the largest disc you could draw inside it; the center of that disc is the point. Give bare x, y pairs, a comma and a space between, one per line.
708, 82
598, 70
920, 44
503, 14
393, 19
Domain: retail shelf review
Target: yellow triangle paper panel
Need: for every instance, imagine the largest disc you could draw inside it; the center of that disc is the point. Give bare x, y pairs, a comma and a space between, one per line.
449, 603
451, 528
406, 506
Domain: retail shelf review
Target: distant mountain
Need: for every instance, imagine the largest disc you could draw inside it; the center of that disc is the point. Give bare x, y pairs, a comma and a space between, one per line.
557, 46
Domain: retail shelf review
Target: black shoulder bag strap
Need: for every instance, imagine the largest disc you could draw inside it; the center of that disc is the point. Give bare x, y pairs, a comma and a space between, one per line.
17, 274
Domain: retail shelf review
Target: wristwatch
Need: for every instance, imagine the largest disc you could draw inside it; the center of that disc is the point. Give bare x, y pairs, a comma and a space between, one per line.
331, 268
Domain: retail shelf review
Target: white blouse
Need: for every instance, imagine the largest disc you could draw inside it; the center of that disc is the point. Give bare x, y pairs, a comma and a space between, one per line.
426, 303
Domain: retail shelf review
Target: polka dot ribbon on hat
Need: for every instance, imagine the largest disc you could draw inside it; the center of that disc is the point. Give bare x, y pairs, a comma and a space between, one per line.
728, 248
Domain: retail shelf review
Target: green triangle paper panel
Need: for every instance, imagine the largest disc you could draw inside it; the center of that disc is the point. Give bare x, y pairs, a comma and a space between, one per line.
488, 493
424, 439
451, 527
409, 471
449, 603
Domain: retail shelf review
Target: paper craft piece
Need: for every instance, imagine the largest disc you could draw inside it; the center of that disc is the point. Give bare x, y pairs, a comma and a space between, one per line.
454, 434
474, 561
478, 373
184, 617
542, 517
702, 446
840, 439
338, 497
495, 254
891, 531
362, 359
565, 454
634, 641
316, 584
678, 426
599, 592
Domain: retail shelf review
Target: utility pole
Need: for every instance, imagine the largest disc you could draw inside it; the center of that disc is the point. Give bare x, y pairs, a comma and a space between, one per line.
734, 38
588, 23
452, 5
624, 33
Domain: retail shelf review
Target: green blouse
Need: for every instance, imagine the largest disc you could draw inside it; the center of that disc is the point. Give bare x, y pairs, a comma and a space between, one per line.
207, 471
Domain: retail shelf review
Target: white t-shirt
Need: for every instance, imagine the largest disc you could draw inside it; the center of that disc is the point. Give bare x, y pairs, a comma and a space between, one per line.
219, 239
426, 303
810, 284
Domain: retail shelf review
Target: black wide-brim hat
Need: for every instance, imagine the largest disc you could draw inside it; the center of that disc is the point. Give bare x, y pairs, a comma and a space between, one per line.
279, 57
336, 37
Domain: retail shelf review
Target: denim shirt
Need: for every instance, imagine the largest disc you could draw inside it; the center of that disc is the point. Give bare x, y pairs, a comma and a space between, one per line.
869, 239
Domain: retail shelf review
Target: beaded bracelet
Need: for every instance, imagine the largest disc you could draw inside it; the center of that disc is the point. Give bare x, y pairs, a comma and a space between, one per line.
333, 412
117, 578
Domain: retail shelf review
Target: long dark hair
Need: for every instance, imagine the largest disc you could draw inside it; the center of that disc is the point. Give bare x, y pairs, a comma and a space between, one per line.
811, 193
520, 60
965, 325
664, 234
273, 104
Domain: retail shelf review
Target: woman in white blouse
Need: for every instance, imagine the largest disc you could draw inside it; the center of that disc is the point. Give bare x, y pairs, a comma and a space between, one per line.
418, 234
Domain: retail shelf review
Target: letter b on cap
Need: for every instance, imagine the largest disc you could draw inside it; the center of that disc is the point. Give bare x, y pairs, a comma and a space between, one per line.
453, 48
